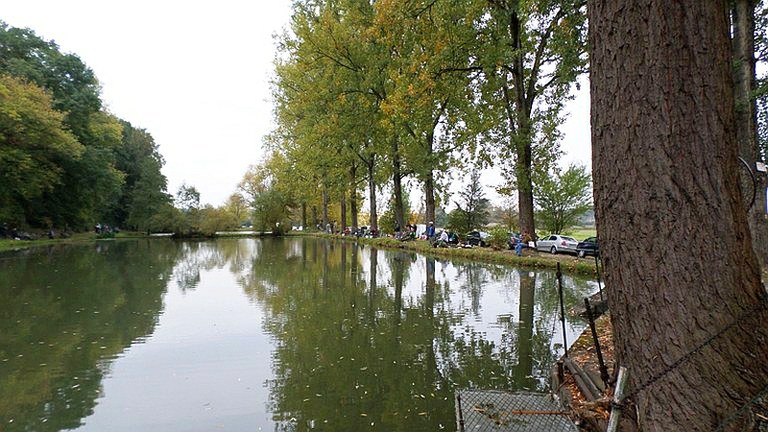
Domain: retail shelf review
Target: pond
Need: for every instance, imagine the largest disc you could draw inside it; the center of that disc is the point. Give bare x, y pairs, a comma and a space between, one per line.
291, 334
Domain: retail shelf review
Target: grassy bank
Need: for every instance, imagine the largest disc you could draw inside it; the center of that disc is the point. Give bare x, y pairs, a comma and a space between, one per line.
8, 244
530, 258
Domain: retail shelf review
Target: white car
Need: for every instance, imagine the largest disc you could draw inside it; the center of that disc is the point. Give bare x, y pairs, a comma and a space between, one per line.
557, 243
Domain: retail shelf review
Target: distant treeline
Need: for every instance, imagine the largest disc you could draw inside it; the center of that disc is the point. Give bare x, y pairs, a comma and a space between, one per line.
65, 161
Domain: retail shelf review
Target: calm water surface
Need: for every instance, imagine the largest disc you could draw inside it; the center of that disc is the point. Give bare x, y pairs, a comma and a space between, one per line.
272, 335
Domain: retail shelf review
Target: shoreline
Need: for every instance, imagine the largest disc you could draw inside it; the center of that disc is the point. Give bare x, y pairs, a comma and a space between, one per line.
531, 259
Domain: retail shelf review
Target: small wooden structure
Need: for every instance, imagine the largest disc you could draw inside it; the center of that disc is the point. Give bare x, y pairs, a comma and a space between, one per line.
494, 410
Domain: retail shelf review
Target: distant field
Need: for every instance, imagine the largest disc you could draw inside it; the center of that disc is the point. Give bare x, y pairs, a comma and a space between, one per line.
582, 233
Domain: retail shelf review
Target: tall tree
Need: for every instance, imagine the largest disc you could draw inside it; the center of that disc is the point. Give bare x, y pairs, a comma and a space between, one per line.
666, 170
144, 192
427, 39
329, 90
530, 53
562, 198
472, 212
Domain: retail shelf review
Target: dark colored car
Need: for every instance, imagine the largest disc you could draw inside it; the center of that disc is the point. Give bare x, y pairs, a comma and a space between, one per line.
477, 238
453, 239
589, 246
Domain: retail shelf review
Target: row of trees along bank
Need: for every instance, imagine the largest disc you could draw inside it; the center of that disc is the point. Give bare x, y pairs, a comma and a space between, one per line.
372, 93
375, 93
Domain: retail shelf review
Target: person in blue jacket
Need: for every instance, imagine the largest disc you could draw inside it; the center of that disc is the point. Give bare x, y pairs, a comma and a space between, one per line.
431, 231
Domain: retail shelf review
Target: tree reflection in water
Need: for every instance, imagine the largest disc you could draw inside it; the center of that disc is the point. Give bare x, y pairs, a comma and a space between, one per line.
361, 339
65, 312
359, 344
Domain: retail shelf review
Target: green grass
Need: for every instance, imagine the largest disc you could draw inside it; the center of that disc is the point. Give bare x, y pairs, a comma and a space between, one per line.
582, 233
7, 244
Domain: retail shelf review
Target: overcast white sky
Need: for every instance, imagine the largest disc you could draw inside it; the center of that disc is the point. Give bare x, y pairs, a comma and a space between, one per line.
195, 74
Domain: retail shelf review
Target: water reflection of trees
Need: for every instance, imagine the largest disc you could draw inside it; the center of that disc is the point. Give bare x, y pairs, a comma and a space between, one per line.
352, 353
204, 256
65, 312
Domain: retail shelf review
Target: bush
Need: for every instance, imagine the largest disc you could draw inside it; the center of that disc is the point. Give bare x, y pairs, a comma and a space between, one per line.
498, 238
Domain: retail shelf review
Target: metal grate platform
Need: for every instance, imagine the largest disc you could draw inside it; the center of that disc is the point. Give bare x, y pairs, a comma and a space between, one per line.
497, 411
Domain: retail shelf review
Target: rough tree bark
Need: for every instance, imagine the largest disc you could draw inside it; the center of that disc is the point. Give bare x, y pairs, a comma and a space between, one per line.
673, 231
743, 15
397, 183
325, 207
353, 196
429, 181
372, 193
525, 189
429, 194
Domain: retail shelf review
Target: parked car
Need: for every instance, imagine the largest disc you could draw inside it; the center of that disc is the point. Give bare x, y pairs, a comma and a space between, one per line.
557, 244
453, 238
477, 238
589, 246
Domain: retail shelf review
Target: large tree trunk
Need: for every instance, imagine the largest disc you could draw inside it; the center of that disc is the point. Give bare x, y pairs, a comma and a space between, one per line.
325, 207
429, 184
353, 196
397, 183
522, 140
372, 194
304, 215
525, 190
343, 211
676, 247
429, 193
746, 118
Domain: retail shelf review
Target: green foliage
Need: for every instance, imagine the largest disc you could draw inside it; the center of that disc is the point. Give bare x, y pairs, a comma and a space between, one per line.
457, 222
237, 208
73, 85
505, 215
409, 89
498, 238
34, 146
268, 197
169, 219
216, 219
271, 211
144, 189
472, 212
524, 89
78, 164
187, 198
562, 198
387, 219
441, 217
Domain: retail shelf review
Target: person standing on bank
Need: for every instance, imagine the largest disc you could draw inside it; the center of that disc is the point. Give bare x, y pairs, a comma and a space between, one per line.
431, 231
